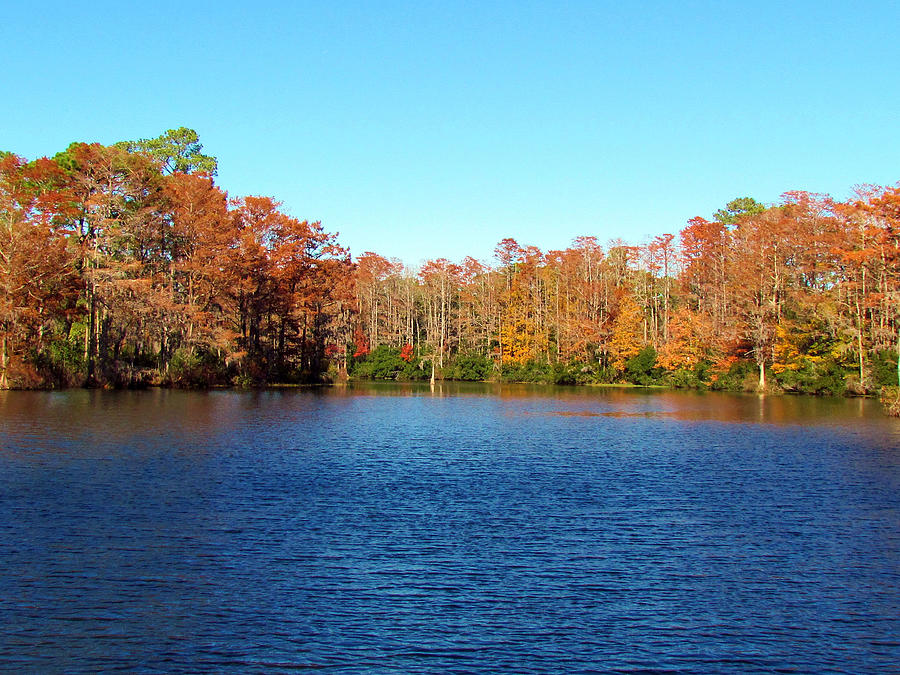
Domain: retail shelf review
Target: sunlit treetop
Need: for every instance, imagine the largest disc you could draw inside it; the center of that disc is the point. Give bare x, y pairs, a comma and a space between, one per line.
178, 150
736, 208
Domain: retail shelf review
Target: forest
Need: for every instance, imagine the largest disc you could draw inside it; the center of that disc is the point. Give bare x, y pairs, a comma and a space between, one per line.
128, 266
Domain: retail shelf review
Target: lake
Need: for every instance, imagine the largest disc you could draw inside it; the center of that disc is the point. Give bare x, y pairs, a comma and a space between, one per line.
465, 529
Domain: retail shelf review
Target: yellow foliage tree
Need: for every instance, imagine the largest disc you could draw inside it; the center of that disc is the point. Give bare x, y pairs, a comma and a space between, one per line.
520, 337
627, 333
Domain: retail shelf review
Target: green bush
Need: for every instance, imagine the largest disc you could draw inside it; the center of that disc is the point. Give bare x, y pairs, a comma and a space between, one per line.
584, 373
470, 367
737, 377
415, 370
382, 363
61, 362
606, 374
530, 371
641, 369
195, 368
883, 368
685, 378
385, 363
563, 374
822, 377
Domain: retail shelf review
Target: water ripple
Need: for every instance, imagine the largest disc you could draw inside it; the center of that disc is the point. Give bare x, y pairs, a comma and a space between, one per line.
281, 532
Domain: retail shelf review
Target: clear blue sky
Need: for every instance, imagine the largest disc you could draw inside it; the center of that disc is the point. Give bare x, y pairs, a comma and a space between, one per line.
426, 129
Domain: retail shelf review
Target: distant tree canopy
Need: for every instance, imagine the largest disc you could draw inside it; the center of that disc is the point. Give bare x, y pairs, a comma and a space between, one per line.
126, 265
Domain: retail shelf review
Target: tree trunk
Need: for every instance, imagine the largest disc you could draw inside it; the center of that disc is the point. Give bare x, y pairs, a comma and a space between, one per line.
859, 345
90, 337
443, 320
4, 363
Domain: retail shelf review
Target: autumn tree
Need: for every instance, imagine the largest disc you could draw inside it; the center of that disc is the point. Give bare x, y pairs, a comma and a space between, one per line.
884, 208
36, 267
309, 270
377, 300
705, 253
663, 258
116, 219
519, 331
692, 340
440, 281
203, 240
627, 333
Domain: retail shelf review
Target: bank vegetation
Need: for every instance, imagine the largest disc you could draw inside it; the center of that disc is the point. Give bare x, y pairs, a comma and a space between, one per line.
127, 265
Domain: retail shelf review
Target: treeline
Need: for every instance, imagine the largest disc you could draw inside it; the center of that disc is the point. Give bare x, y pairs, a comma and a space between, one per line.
800, 296
126, 265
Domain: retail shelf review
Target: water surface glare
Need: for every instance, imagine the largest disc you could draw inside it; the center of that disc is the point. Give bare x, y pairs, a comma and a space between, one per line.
465, 529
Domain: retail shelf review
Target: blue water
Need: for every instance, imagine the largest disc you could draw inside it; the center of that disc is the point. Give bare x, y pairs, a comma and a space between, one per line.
465, 530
